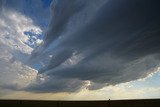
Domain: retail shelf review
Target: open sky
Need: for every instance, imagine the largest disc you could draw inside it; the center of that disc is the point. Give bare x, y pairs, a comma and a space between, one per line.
79, 49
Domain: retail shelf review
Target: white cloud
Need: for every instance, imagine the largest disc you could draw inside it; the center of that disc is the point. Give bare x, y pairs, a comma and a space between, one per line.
12, 28
39, 41
14, 74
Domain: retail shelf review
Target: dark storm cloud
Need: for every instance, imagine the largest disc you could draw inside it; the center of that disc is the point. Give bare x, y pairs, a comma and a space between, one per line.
53, 84
118, 42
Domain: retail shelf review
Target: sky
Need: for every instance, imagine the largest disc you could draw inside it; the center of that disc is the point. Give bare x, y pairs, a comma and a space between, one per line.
79, 50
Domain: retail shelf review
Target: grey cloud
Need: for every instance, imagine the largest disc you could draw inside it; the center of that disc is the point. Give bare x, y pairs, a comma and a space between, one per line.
2, 2
63, 11
53, 84
58, 59
119, 43
67, 17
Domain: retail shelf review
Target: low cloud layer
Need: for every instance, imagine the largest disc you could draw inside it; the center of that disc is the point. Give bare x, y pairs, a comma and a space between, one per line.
104, 42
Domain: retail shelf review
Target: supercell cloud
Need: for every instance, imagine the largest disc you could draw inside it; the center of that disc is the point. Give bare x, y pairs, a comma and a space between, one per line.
95, 43
105, 42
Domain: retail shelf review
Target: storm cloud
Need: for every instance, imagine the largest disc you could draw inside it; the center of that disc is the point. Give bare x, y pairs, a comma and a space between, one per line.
106, 42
